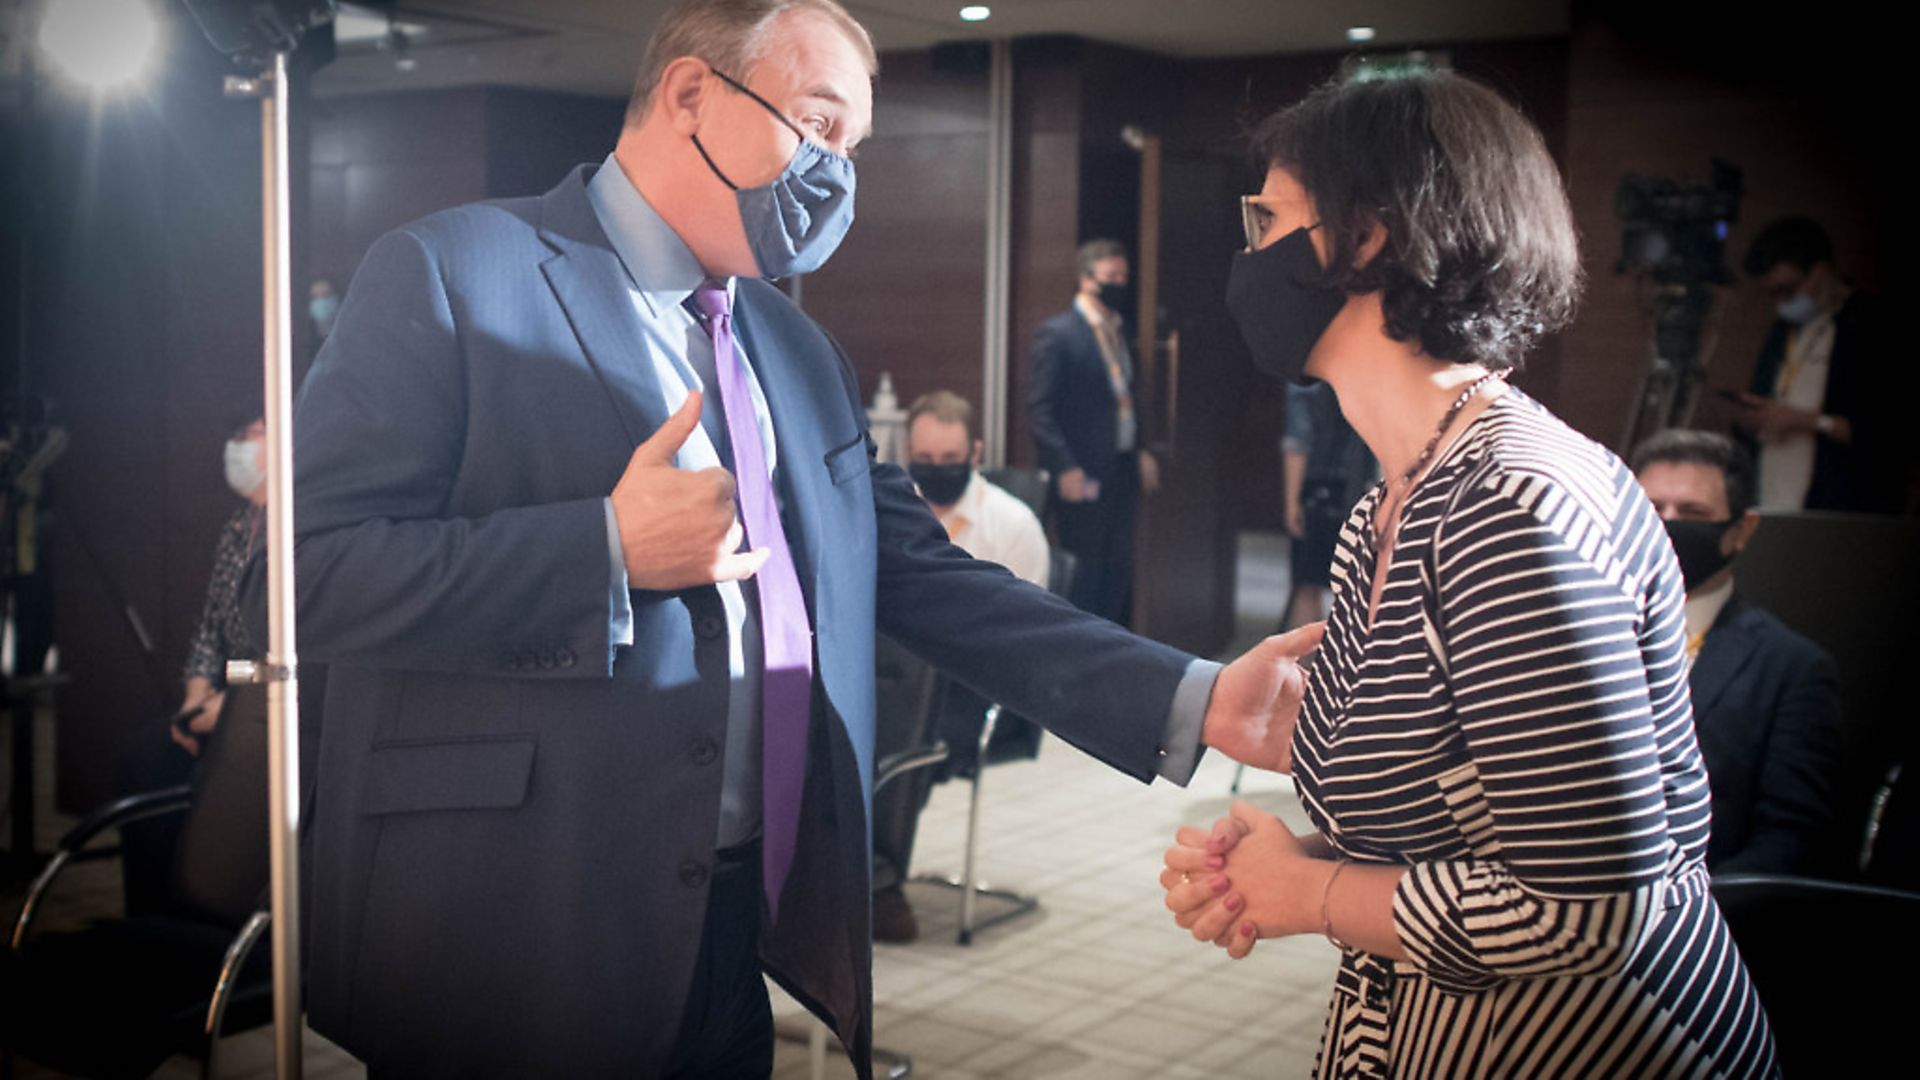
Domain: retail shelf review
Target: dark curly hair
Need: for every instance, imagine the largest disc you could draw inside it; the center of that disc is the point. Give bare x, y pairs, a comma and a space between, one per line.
1481, 255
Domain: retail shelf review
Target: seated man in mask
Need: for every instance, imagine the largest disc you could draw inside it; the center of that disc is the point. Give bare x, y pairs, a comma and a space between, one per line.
1766, 704
985, 520
988, 523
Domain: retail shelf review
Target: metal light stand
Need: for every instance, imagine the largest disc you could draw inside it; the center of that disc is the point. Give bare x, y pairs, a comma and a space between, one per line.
280, 669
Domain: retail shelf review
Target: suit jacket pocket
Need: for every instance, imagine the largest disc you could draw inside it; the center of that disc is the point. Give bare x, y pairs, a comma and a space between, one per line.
848, 461
475, 773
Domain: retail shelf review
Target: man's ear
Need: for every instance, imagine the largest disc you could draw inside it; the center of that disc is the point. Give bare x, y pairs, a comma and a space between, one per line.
979, 452
1742, 531
683, 87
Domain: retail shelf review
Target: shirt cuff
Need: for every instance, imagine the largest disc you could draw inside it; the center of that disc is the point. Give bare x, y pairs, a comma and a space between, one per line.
1180, 749
619, 604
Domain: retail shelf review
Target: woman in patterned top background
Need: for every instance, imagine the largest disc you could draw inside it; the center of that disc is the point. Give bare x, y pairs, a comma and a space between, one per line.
149, 763
221, 634
1496, 746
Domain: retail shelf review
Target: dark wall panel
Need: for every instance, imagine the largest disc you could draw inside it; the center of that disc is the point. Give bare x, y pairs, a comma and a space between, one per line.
147, 332
1637, 108
906, 292
533, 139
146, 337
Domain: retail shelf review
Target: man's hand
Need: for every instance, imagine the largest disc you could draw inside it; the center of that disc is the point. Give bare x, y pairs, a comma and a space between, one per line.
1149, 474
1296, 520
679, 529
1769, 420
1076, 488
1257, 698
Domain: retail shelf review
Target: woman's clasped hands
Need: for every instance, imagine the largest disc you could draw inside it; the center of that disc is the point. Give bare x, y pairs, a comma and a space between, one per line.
1247, 878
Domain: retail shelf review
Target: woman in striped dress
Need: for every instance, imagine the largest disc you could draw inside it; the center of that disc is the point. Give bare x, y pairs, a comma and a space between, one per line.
1496, 747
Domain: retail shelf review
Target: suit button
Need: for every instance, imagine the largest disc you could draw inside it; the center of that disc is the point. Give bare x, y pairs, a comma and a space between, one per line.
566, 658
693, 874
705, 751
710, 627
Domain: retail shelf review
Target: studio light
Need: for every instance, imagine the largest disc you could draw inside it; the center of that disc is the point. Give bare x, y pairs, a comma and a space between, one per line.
101, 44
975, 13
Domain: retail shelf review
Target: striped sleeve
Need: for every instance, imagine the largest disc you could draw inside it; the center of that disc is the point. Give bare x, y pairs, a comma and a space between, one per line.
1538, 634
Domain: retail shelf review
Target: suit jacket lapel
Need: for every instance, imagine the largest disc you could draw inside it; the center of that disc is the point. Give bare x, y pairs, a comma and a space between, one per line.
1728, 647
587, 278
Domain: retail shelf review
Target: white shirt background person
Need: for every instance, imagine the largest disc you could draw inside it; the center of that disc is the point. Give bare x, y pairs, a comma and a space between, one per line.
983, 519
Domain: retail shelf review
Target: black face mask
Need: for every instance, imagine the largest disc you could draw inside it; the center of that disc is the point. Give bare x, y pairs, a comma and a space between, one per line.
941, 485
1279, 296
1117, 298
1697, 545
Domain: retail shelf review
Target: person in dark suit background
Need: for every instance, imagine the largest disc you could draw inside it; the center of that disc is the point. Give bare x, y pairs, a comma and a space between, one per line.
591, 762
1822, 413
1088, 431
1766, 702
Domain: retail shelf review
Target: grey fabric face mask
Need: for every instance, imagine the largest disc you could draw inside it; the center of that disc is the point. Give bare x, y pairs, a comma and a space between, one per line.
795, 222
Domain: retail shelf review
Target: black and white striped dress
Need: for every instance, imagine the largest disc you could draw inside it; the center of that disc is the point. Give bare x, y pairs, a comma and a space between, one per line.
1516, 730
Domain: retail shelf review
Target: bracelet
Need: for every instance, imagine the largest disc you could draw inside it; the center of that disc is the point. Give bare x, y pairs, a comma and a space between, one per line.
1326, 913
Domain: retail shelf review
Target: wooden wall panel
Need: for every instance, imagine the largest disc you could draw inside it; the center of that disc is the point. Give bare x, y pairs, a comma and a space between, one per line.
905, 293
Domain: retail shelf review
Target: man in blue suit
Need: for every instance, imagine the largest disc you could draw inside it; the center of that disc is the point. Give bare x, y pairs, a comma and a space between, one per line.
1766, 701
572, 482
1088, 432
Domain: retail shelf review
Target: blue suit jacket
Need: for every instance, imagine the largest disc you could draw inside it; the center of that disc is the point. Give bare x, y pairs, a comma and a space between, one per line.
513, 822
1766, 709
1071, 406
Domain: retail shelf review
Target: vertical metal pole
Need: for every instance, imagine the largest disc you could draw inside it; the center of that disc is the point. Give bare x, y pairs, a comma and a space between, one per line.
283, 684
999, 278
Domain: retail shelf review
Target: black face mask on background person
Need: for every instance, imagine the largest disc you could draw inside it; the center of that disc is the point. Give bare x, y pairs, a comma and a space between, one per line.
1697, 545
1279, 296
941, 485
1117, 298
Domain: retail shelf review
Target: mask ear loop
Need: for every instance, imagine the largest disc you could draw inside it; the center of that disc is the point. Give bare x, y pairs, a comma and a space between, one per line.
762, 102
708, 158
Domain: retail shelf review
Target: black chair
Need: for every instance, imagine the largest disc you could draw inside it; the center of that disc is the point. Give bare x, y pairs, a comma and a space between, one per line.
1828, 959
1030, 486
1890, 844
1061, 566
118, 998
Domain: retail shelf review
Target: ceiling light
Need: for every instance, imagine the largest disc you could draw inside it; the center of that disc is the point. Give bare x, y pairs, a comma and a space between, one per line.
975, 12
101, 44
1358, 34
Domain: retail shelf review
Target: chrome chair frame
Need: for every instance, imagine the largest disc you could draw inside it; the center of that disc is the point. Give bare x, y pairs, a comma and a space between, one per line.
152, 804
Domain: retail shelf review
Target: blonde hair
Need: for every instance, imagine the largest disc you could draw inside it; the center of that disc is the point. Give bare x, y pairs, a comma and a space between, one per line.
730, 35
944, 406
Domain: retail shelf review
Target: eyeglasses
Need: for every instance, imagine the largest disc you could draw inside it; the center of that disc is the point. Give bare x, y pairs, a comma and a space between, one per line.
1255, 219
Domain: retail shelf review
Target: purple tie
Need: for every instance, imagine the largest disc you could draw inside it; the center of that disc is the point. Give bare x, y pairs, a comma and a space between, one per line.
786, 689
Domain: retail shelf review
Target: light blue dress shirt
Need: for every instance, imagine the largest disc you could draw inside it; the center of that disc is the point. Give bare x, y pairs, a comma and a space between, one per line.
661, 273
